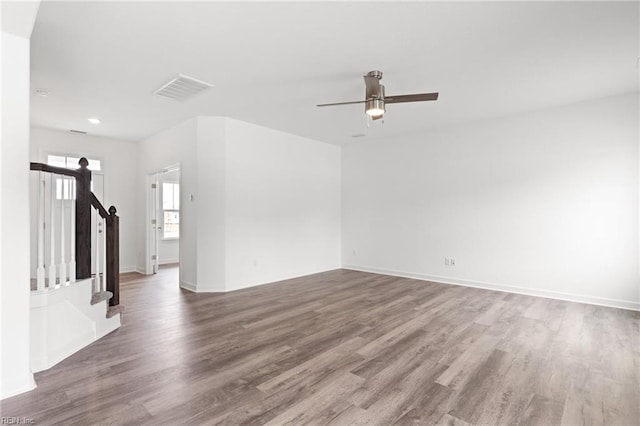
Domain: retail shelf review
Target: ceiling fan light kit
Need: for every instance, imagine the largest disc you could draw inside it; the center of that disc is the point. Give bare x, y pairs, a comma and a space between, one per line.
375, 99
374, 107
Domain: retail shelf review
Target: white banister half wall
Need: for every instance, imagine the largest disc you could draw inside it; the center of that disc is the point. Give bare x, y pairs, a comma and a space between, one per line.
74, 290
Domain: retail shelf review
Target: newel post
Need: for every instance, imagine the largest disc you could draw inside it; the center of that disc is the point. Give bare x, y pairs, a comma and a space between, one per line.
113, 256
83, 221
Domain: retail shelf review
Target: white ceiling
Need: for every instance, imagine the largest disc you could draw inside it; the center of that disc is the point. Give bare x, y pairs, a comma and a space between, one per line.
272, 62
18, 17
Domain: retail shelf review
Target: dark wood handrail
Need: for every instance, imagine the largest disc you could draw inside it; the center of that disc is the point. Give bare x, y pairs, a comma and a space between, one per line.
98, 206
57, 170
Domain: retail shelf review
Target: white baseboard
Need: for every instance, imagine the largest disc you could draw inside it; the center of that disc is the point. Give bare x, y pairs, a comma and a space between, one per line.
276, 279
188, 286
13, 392
127, 269
168, 261
571, 297
270, 280
141, 270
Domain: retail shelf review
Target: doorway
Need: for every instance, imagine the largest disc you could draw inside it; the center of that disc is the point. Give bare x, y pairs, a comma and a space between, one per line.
163, 214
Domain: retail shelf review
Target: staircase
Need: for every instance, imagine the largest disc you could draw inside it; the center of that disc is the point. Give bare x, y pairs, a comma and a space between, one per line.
75, 284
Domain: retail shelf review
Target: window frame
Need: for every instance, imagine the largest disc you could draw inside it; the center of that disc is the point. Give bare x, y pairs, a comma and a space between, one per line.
76, 166
174, 210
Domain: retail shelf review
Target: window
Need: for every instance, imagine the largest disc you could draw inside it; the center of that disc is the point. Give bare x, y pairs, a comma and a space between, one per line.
69, 162
171, 210
66, 187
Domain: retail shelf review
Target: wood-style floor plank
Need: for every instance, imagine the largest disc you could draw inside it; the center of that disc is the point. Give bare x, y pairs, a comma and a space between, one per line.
345, 348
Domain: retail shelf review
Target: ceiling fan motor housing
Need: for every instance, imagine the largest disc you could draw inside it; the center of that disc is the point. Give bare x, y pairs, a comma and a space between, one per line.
374, 95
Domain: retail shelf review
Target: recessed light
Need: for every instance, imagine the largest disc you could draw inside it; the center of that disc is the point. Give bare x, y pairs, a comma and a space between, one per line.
94, 120
42, 93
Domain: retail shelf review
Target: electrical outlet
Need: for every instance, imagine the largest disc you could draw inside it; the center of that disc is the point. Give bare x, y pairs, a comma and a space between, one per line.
446, 261
452, 261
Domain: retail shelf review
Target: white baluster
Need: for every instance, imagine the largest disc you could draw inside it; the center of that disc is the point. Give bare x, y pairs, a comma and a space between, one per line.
52, 266
40, 268
72, 254
98, 281
62, 267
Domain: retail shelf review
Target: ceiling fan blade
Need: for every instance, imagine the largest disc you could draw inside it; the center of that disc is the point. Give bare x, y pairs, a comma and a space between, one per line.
417, 97
373, 87
342, 103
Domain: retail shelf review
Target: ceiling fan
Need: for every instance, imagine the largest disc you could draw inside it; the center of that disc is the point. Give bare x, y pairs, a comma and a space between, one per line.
375, 99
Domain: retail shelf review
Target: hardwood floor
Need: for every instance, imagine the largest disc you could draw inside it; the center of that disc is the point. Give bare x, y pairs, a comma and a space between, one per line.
346, 348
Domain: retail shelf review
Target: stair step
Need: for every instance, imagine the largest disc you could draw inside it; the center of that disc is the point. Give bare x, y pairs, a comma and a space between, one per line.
100, 296
114, 310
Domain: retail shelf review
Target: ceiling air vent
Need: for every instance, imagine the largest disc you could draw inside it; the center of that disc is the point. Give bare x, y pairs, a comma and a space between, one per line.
182, 87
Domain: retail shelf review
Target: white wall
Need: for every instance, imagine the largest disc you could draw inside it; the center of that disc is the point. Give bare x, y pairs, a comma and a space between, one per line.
266, 204
211, 200
119, 168
174, 146
544, 203
282, 205
15, 370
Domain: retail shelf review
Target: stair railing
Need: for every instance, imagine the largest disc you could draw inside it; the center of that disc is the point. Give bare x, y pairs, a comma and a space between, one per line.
111, 249
59, 188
